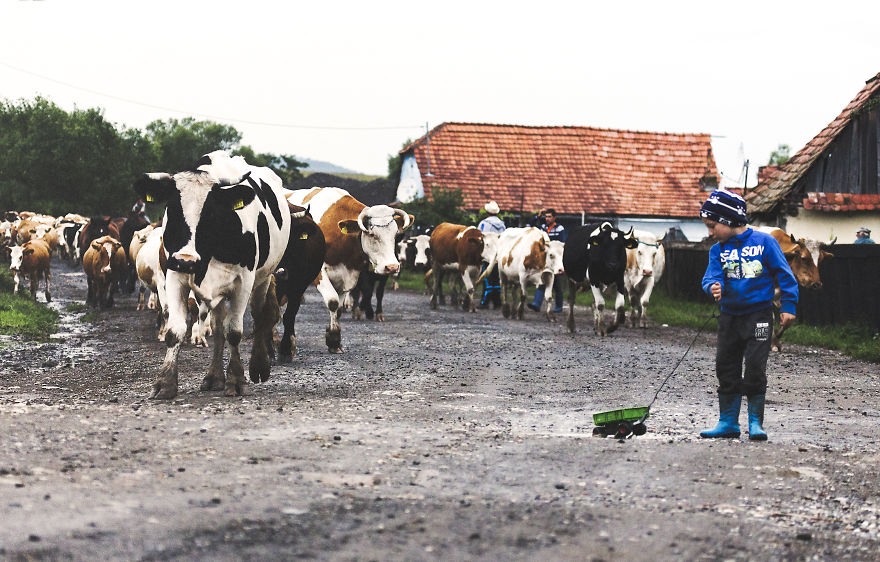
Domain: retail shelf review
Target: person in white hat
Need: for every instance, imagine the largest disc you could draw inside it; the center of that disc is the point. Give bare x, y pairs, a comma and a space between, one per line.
863, 236
492, 287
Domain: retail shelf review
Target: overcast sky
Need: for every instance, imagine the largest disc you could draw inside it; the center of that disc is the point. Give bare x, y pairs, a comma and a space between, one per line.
350, 82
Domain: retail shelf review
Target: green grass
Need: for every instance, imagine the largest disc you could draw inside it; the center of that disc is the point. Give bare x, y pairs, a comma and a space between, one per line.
76, 307
19, 315
22, 316
854, 341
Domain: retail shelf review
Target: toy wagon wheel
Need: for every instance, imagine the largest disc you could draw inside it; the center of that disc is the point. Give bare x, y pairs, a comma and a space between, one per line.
623, 430
639, 429
599, 432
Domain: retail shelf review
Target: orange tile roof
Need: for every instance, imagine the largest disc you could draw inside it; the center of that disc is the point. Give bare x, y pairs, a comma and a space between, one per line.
772, 190
842, 202
572, 169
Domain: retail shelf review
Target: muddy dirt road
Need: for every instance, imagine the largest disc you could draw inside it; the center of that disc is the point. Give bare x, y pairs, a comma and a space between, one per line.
436, 435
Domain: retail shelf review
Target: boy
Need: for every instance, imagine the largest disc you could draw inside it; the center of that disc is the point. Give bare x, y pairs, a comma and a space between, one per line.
743, 266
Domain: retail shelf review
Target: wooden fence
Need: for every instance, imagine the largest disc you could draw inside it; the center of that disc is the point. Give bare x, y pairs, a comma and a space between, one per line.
850, 292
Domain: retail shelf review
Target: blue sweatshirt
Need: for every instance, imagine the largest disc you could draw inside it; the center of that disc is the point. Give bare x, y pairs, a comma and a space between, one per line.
747, 265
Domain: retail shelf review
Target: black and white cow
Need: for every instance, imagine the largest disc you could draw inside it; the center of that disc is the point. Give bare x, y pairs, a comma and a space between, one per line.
226, 228
595, 256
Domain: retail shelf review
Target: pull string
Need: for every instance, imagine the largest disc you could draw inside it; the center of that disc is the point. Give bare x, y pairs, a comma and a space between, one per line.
715, 314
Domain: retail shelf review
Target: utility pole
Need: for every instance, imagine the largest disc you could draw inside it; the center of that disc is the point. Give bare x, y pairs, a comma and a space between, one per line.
746, 180
428, 149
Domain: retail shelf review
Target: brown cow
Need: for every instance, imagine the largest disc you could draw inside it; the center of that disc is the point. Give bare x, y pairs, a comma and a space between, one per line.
455, 247
31, 259
804, 257
104, 263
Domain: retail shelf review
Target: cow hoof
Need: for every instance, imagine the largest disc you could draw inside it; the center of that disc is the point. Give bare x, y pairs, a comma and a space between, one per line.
163, 392
283, 359
380, 317
210, 383
334, 350
233, 389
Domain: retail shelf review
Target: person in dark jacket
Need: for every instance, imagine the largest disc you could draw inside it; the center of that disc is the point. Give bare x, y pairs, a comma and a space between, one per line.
744, 267
556, 232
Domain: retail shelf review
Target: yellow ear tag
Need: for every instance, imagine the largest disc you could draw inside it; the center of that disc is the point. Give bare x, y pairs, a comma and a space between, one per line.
304, 236
238, 205
150, 198
344, 230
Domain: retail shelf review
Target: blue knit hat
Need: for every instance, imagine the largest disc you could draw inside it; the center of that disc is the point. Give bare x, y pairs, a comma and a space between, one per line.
725, 207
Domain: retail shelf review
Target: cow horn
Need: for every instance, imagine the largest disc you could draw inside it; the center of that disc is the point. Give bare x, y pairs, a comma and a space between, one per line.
630, 232
832, 242
361, 216
405, 216
489, 269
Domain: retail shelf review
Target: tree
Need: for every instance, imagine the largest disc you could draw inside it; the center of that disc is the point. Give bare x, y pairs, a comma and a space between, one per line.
57, 162
286, 166
445, 206
779, 156
395, 164
177, 145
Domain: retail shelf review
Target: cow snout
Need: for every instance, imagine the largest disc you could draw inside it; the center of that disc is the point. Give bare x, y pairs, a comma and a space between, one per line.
390, 268
183, 263
647, 272
816, 285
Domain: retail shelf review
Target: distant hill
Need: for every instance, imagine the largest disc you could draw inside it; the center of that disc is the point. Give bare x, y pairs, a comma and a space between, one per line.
325, 167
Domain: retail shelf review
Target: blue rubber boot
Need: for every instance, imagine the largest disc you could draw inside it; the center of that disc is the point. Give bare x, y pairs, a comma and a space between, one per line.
539, 298
756, 418
728, 419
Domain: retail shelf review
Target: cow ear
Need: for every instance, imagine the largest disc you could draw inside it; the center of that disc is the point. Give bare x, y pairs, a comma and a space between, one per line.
96, 244
823, 255
349, 227
632, 243
399, 220
235, 197
793, 239
594, 241
28, 251
156, 187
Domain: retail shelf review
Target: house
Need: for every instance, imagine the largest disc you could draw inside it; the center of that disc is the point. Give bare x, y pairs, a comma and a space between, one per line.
830, 187
653, 181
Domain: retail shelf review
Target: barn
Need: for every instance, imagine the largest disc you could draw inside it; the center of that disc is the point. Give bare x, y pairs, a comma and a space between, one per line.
653, 181
831, 187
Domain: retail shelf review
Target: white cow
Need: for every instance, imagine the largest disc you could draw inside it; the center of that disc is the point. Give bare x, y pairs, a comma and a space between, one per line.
226, 227
644, 267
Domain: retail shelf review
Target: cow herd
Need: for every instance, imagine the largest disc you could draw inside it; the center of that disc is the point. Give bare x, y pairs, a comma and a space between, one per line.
232, 236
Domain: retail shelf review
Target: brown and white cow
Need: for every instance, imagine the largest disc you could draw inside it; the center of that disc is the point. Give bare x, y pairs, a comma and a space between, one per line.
644, 267
104, 264
455, 247
804, 255
358, 237
31, 260
525, 256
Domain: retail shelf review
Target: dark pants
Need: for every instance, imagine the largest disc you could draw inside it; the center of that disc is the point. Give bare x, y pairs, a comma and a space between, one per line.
743, 338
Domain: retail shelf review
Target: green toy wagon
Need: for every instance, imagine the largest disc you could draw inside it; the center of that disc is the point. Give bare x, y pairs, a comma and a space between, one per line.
621, 423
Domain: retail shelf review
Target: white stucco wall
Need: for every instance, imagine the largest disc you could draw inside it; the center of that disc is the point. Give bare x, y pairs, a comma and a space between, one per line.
410, 186
825, 226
